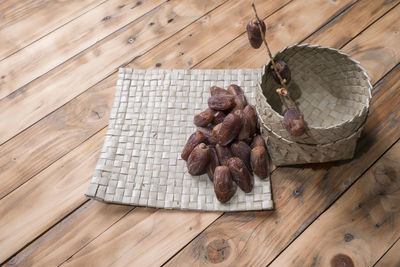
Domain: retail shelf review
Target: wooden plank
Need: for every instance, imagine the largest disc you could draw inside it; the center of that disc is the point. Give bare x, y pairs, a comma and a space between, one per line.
284, 34
368, 211
34, 101
89, 251
69, 40
180, 50
51, 249
300, 195
23, 22
391, 258
13, 157
77, 104
33, 208
51, 138
298, 198
136, 243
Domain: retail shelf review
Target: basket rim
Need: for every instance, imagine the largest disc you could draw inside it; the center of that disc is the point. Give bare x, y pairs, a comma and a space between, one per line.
363, 71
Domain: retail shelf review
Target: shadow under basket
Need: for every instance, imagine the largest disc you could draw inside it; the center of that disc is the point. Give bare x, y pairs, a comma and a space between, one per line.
332, 91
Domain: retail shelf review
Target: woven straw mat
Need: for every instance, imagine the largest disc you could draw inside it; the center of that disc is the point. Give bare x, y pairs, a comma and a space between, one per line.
150, 122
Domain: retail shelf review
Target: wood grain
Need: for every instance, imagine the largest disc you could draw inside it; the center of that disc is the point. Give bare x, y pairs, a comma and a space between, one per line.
391, 258
51, 138
71, 234
135, 243
39, 98
296, 191
69, 40
47, 198
368, 211
23, 22
90, 250
180, 50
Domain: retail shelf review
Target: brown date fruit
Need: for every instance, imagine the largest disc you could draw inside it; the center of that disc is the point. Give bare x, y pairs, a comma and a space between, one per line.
242, 150
294, 122
240, 174
198, 160
258, 141
223, 153
259, 161
219, 117
215, 130
221, 102
207, 132
223, 185
204, 118
238, 103
230, 128
215, 90
250, 115
235, 89
213, 163
283, 70
195, 139
254, 33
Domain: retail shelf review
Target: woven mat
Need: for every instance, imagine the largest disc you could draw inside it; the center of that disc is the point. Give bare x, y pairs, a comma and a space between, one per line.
150, 121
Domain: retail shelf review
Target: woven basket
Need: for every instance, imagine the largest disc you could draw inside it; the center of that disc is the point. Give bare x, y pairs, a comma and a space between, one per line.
332, 91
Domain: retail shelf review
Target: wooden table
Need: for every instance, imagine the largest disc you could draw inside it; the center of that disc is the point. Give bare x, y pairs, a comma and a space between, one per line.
58, 62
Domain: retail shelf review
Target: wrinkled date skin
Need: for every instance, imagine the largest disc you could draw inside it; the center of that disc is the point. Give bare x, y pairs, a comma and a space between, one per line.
235, 89
294, 122
250, 114
204, 118
215, 90
198, 160
258, 141
195, 139
230, 128
223, 184
259, 161
242, 150
239, 103
212, 164
254, 33
283, 70
240, 174
223, 153
207, 132
221, 102
215, 130
219, 117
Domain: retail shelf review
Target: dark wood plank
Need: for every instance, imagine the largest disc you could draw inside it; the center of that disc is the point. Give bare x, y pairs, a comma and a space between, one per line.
359, 227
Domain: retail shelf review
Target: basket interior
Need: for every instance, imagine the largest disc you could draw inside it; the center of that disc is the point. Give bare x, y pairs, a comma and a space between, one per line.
327, 86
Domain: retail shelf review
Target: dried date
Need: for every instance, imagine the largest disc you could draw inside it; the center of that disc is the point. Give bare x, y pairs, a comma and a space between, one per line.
213, 163
242, 150
223, 153
240, 174
204, 118
219, 117
221, 102
223, 185
230, 127
207, 132
198, 160
215, 90
259, 161
258, 141
195, 139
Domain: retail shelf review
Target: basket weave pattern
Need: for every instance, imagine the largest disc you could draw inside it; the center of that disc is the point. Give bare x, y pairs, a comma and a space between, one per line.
330, 89
150, 121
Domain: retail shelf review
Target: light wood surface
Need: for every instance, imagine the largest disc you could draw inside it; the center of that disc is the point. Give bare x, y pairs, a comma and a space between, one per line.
59, 58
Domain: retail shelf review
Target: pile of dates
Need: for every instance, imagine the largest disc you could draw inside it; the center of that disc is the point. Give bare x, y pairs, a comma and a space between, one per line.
227, 145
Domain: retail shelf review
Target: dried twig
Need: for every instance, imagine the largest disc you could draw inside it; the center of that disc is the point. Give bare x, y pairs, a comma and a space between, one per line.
283, 81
